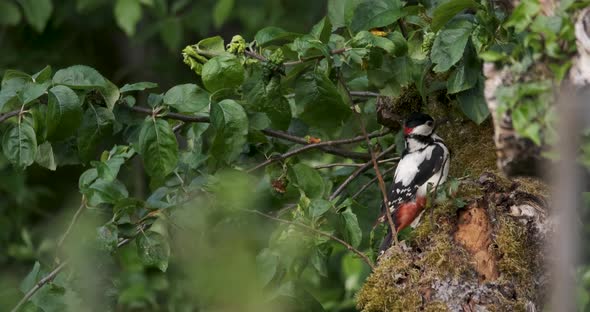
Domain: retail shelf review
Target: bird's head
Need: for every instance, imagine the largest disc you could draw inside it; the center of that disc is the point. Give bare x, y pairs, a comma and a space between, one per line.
419, 124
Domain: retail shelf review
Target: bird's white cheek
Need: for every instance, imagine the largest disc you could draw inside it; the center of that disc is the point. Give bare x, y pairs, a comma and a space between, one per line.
422, 130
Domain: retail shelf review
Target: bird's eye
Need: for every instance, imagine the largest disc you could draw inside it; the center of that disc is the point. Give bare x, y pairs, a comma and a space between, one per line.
429, 123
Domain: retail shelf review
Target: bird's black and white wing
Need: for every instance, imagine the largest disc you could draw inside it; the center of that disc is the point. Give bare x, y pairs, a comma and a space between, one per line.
414, 170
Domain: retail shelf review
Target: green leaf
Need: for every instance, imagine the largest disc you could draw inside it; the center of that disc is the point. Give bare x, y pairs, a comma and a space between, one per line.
32, 278
450, 43
267, 263
273, 35
309, 181
211, 46
139, 86
323, 106
9, 13
97, 123
523, 15
11, 74
50, 298
376, 13
171, 32
466, 74
473, 103
340, 12
80, 77
37, 12
318, 260
222, 72
64, 112
86, 179
231, 125
127, 15
221, 11
106, 192
9, 92
110, 93
187, 98
110, 165
19, 144
447, 10
318, 207
32, 91
353, 230
322, 30
45, 157
270, 100
158, 147
154, 250
107, 237
492, 56
43, 75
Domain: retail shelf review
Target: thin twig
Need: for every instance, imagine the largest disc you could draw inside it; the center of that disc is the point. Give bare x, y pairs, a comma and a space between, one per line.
364, 94
312, 146
170, 115
375, 165
327, 166
8, 115
72, 222
317, 57
358, 172
366, 186
328, 149
255, 55
268, 132
49, 277
309, 228
178, 127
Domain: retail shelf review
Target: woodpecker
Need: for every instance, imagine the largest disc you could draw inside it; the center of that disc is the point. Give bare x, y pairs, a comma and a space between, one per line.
425, 161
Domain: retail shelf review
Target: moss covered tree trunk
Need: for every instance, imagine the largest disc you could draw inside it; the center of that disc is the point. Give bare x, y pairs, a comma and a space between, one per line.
484, 250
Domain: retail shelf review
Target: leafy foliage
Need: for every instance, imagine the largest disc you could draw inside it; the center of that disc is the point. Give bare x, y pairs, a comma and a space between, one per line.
200, 145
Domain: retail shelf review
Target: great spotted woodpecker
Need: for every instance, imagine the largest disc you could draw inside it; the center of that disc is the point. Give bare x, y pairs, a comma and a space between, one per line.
424, 161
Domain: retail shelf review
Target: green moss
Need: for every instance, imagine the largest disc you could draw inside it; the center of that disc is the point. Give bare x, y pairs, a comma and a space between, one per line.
515, 252
473, 151
389, 288
408, 101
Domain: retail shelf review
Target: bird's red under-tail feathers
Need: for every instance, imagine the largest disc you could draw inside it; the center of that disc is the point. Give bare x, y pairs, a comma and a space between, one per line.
406, 213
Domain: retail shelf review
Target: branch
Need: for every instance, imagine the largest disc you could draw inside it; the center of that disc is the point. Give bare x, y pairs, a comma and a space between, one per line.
375, 166
358, 172
312, 146
176, 116
326, 166
72, 222
268, 132
317, 57
255, 55
366, 186
8, 115
49, 277
364, 94
309, 228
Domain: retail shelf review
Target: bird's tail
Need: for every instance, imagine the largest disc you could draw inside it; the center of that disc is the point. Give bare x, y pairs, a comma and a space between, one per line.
386, 243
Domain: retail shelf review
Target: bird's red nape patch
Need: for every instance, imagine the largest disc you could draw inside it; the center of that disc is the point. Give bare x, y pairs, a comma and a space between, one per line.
407, 212
408, 130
